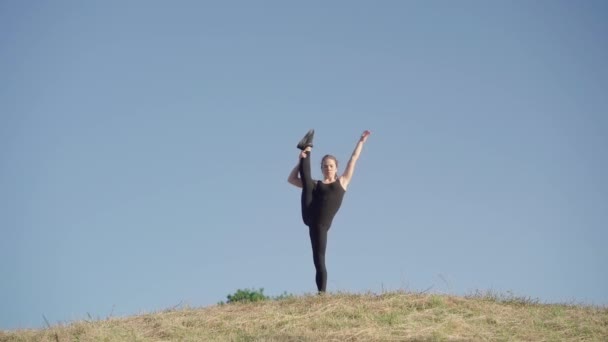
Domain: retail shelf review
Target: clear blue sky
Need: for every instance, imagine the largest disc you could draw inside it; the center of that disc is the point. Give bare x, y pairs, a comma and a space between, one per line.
145, 148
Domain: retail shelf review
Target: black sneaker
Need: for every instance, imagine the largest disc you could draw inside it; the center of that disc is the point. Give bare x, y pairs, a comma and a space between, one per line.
307, 140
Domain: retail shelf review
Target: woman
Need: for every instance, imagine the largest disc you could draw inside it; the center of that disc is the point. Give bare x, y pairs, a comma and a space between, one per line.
321, 199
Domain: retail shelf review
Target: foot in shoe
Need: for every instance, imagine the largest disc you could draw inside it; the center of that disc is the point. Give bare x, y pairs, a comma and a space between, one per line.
307, 140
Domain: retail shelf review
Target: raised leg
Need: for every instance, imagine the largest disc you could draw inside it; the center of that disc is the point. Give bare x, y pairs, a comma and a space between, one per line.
308, 187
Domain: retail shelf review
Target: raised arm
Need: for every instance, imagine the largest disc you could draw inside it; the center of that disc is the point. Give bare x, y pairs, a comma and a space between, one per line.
350, 167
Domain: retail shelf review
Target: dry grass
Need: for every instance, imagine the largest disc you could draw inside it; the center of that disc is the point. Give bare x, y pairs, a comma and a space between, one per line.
395, 316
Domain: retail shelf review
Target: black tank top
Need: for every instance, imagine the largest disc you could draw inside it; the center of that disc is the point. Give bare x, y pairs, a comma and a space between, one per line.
327, 199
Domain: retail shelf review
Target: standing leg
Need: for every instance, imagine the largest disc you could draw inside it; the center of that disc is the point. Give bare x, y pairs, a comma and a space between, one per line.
308, 186
318, 239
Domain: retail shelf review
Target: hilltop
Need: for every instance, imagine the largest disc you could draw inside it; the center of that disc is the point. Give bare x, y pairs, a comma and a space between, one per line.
393, 316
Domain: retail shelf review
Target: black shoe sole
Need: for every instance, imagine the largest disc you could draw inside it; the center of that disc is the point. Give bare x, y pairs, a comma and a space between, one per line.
307, 140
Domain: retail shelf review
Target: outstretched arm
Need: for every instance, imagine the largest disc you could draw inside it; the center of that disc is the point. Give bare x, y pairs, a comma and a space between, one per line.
350, 167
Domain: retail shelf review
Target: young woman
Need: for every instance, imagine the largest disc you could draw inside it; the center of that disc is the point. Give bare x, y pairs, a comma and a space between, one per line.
321, 199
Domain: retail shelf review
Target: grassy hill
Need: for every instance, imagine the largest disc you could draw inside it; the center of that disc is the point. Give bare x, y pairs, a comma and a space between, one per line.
394, 316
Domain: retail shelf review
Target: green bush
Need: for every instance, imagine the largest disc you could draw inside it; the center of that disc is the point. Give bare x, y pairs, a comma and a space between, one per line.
247, 295
251, 295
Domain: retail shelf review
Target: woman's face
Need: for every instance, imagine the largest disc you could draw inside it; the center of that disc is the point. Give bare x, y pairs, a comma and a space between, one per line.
329, 168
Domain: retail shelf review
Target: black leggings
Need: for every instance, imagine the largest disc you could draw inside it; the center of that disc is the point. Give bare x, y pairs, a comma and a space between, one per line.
317, 232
